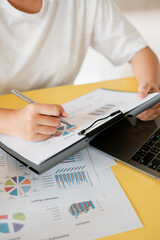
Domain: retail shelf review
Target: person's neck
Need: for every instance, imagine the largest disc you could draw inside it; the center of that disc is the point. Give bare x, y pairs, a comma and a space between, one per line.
28, 6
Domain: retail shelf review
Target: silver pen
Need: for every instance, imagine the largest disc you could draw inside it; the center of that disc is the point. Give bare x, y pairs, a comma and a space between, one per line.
29, 100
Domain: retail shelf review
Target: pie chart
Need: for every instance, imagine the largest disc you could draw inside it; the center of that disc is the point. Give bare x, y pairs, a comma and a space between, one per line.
12, 223
65, 130
17, 186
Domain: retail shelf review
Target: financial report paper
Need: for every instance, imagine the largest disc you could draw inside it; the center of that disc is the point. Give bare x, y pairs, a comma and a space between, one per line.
77, 199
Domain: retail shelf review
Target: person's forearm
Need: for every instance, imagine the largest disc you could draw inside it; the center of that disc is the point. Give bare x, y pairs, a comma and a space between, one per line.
5, 121
145, 66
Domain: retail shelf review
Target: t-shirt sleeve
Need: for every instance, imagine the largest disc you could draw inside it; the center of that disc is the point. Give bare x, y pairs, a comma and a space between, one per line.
113, 35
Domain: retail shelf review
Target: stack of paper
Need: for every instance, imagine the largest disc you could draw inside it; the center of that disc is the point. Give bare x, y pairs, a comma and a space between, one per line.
78, 199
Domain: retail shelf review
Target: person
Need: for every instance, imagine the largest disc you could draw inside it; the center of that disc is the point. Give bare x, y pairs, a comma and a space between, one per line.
43, 44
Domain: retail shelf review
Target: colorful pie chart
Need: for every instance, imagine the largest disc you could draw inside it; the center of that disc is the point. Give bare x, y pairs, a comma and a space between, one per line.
17, 186
12, 223
65, 130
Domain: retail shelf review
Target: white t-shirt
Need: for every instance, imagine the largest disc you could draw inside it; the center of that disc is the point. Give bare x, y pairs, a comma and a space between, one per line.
47, 48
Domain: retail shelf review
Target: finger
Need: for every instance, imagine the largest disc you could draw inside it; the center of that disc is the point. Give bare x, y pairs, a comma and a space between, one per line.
147, 118
143, 90
50, 109
148, 115
63, 113
156, 106
48, 121
47, 130
154, 110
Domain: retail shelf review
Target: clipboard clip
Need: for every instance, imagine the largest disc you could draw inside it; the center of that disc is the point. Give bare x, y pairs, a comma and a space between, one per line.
85, 131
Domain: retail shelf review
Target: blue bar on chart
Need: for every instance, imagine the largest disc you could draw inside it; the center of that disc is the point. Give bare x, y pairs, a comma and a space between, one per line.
68, 160
76, 158
70, 169
83, 207
70, 179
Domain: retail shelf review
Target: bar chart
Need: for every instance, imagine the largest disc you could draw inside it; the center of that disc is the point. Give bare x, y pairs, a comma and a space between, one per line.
67, 180
70, 169
103, 110
2, 162
76, 158
77, 209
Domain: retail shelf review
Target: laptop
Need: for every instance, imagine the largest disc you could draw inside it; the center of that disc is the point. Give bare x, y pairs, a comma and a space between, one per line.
133, 142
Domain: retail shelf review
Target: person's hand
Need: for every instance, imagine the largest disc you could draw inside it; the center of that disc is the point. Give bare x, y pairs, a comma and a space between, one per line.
36, 122
153, 112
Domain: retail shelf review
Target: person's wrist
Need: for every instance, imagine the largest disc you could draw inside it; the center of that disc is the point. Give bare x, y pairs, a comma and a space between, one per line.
10, 120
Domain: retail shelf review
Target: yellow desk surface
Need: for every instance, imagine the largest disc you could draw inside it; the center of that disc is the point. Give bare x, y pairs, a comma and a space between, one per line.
142, 190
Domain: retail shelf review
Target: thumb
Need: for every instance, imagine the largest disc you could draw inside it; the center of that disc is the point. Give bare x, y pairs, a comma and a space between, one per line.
143, 91
63, 113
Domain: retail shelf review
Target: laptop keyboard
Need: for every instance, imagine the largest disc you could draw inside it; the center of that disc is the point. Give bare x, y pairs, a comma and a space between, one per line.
149, 154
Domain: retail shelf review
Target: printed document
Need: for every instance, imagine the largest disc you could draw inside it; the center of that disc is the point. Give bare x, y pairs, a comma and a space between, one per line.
73, 200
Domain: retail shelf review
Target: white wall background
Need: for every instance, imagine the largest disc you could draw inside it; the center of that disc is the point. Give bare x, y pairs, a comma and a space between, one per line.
145, 16
137, 4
